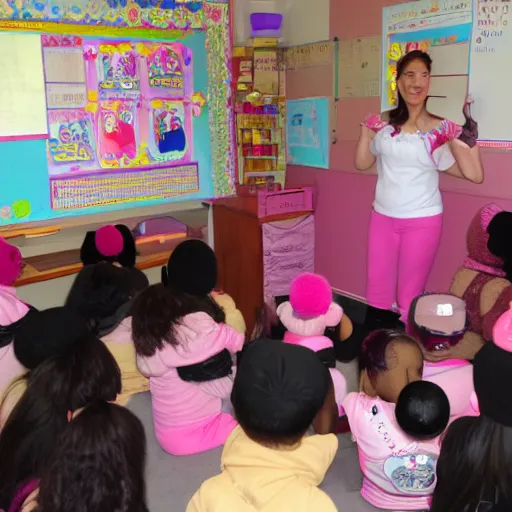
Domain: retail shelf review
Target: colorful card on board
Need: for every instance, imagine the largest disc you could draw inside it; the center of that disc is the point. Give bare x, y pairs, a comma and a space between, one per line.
307, 132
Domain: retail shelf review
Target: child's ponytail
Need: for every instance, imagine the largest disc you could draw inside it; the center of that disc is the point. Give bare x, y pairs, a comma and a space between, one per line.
153, 315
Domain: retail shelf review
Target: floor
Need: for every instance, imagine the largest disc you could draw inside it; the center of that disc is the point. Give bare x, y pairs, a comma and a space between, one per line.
171, 481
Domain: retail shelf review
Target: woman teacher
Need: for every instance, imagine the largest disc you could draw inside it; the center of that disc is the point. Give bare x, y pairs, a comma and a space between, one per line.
406, 221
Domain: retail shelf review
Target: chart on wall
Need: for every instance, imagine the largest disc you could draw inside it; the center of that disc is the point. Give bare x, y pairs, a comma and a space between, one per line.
442, 29
491, 73
133, 112
307, 132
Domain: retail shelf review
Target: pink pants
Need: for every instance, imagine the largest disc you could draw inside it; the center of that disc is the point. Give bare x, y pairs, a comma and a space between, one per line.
401, 253
197, 438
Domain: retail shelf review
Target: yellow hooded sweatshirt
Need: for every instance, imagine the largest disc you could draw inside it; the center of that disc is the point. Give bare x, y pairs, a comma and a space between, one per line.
256, 478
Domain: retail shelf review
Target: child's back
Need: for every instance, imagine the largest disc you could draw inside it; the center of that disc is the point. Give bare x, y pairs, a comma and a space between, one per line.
269, 463
176, 402
258, 478
185, 348
398, 471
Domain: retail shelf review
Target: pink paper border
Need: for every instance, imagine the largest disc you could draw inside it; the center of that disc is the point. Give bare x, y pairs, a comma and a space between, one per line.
9, 138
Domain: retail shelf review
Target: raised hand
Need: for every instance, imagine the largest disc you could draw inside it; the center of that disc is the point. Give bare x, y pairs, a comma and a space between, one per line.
469, 133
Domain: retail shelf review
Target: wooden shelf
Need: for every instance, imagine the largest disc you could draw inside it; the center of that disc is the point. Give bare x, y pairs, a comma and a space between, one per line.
60, 264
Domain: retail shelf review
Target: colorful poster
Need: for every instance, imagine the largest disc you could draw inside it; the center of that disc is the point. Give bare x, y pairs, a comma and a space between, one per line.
307, 132
443, 29
490, 79
127, 120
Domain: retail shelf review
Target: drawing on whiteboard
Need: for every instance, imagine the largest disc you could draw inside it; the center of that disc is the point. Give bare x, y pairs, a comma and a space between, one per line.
307, 132
443, 31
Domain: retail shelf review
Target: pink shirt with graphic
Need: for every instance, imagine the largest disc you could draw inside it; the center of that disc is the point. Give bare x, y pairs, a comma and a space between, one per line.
398, 471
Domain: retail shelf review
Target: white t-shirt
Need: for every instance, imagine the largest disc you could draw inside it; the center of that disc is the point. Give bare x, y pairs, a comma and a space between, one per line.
408, 177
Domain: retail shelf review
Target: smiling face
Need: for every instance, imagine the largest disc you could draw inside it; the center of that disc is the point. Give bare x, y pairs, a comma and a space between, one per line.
414, 83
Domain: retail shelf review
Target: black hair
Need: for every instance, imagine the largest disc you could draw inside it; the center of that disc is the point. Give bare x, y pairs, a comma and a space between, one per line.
128, 256
422, 410
98, 464
102, 294
475, 459
89, 254
158, 310
400, 115
500, 240
373, 352
278, 391
86, 372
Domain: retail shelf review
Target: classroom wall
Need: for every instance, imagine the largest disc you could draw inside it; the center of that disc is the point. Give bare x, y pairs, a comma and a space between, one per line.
299, 26
345, 196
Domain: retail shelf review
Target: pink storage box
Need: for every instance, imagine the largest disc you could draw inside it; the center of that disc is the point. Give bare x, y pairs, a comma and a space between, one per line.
285, 201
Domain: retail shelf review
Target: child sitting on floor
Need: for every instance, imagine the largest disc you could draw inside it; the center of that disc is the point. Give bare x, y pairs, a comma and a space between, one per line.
474, 470
104, 294
390, 360
12, 313
97, 466
84, 371
268, 462
185, 348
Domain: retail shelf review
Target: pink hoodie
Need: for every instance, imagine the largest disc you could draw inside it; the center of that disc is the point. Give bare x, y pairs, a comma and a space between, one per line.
177, 403
12, 309
398, 471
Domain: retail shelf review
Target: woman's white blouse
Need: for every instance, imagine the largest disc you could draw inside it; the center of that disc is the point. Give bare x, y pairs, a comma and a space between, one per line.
408, 177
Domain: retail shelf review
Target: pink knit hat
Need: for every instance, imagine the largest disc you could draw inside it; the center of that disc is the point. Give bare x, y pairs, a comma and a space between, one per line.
479, 256
310, 295
109, 241
10, 263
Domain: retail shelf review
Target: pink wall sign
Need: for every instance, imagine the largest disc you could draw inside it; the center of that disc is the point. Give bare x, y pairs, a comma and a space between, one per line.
288, 250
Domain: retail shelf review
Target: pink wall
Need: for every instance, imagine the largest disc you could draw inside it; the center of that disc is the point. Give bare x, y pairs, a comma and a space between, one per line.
345, 196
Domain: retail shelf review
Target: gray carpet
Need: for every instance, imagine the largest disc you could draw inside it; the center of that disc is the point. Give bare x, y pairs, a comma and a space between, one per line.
171, 481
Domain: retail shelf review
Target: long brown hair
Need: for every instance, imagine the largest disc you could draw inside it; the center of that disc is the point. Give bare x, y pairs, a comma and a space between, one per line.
98, 464
400, 115
475, 460
158, 310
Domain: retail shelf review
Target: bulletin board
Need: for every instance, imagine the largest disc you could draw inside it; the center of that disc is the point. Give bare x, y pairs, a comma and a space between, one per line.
112, 105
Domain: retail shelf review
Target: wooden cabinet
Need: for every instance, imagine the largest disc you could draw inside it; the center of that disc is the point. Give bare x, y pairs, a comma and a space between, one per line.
238, 245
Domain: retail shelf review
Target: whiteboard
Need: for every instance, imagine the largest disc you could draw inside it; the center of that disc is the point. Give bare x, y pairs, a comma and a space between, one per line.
491, 71
22, 87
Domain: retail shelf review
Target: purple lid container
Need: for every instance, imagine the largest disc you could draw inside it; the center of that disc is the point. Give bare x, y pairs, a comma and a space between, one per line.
266, 24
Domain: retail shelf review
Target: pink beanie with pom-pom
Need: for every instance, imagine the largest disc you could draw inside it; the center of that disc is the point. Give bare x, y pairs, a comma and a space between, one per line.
10, 263
109, 241
310, 295
492, 373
